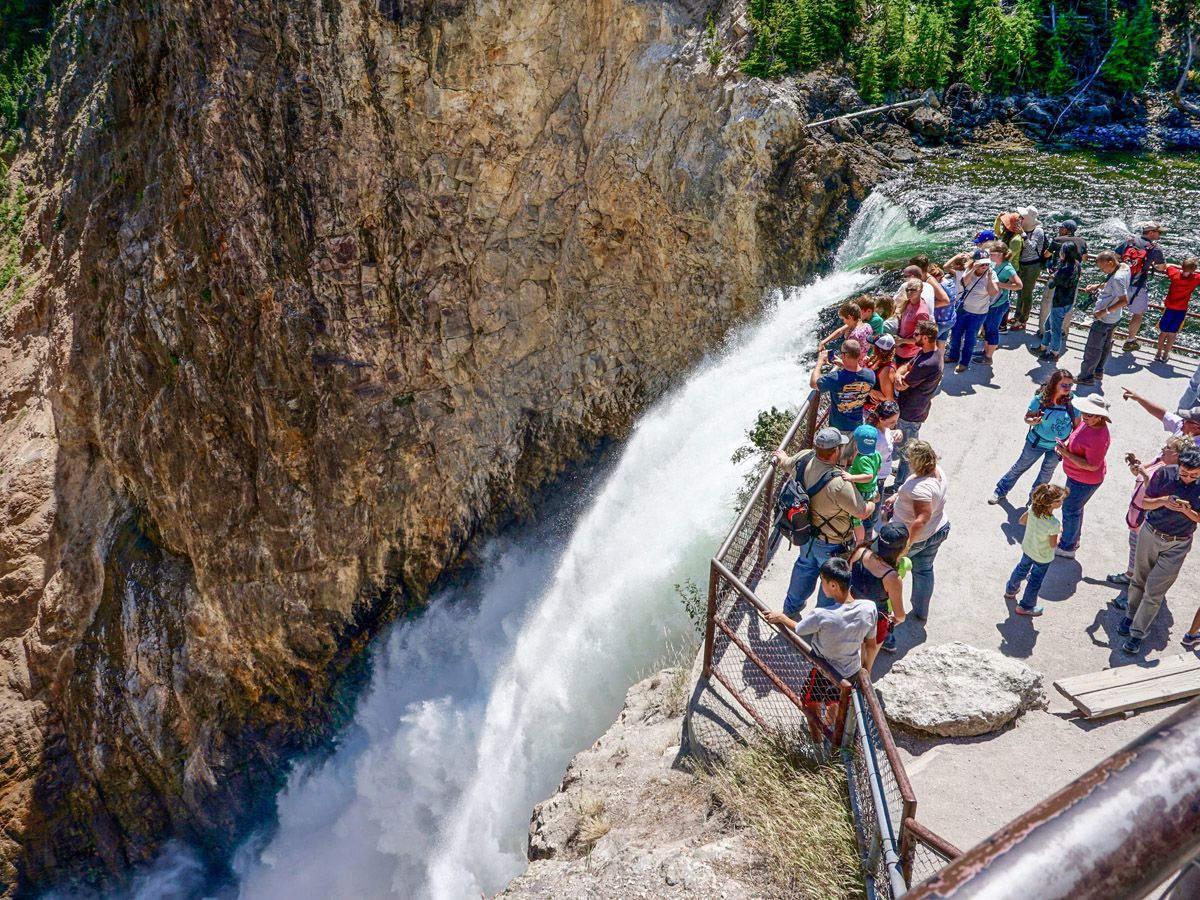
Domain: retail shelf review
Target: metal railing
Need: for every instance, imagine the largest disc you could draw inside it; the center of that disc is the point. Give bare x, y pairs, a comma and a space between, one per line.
773, 675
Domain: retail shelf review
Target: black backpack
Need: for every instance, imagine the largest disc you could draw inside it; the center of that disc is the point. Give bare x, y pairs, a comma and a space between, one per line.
793, 508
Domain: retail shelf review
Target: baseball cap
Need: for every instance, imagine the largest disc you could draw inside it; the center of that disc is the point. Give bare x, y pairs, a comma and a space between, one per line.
984, 236
980, 255
828, 438
1069, 225
887, 408
885, 342
865, 437
1190, 415
892, 536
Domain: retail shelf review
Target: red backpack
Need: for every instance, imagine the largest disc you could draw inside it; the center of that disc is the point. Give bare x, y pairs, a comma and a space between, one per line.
1135, 258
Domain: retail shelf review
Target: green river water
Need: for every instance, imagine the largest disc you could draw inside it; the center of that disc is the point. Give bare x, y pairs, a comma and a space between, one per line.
951, 195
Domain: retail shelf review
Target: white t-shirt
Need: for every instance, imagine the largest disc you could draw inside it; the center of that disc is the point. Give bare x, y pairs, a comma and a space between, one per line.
926, 294
923, 488
1172, 424
837, 632
1114, 288
885, 447
974, 292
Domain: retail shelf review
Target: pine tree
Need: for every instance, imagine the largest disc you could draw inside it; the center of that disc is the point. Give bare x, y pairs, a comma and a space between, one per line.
1131, 58
870, 87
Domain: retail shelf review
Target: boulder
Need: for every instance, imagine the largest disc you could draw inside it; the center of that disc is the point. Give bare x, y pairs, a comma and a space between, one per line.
1098, 114
1038, 116
956, 690
929, 124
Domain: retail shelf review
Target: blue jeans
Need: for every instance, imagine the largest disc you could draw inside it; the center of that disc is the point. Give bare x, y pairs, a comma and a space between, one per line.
910, 430
1030, 454
806, 576
962, 336
991, 323
1052, 338
1037, 574
1072, 512
922, 554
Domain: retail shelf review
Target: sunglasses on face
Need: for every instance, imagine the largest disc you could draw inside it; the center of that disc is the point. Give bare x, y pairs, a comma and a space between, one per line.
911, 290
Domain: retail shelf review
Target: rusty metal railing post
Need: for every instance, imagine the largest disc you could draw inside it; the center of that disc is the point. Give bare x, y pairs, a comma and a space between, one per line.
768, 499
839, 732
710, 618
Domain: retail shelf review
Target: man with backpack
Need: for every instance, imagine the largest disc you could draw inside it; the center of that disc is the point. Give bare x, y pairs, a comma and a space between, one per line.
826, 504
1142, 255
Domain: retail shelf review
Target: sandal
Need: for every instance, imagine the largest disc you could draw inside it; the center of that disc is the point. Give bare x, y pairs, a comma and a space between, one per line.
1119, 578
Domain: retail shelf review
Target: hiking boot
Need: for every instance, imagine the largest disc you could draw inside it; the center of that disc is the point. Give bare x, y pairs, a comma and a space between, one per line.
1131, 345
1124, 625
1121, 601
1028, 610
1191, 640
1036, 351
1085, 380
1133, 645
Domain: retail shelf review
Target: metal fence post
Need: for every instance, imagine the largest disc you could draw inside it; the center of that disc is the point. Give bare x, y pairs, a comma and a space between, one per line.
768, 499
710, 618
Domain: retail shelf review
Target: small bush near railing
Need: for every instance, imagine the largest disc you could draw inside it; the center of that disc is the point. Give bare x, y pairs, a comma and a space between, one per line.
799, 815
768, 431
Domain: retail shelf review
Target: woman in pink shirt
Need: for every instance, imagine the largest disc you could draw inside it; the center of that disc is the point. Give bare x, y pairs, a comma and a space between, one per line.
1083, 462
913, 309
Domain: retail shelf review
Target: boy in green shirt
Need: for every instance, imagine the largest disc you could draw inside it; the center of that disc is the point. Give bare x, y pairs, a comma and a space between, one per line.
864, 472
866, 304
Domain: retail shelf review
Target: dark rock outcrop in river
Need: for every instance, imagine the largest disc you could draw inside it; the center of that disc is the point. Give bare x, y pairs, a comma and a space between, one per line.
308, 292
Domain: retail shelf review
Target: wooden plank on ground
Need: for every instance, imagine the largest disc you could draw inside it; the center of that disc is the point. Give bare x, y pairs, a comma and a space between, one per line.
1131, 687
1121, 675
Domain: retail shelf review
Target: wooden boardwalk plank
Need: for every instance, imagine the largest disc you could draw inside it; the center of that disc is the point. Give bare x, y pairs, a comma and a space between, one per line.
1122, 675
1118, 690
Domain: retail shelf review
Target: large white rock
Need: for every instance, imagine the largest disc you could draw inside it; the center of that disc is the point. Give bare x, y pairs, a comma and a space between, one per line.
956, 690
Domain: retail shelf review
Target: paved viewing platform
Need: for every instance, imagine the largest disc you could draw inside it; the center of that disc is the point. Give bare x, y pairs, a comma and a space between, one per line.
969, 787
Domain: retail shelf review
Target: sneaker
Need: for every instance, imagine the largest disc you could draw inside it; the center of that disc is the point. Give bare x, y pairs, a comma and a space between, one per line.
1120, 601
1119, 578
1191, 640
889, 644
1048, 357
1130, 346
1028, 611
1010, 595
959, 369
1085, 380
1065, 554
1133, 645
1124, 625
1036, 351
996, 499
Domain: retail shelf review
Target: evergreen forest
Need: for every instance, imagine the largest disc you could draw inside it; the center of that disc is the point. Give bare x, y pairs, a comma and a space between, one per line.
995, 46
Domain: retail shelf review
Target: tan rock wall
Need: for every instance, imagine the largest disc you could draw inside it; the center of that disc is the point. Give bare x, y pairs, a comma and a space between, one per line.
312, 291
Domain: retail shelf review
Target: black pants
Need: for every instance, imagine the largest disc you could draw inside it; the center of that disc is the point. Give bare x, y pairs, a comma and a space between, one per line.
1097, 350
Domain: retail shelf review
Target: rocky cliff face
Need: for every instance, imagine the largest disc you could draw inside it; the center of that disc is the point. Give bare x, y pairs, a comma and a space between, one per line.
308, 292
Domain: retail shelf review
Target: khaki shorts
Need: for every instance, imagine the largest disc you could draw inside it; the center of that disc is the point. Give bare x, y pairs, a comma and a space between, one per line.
1139, 300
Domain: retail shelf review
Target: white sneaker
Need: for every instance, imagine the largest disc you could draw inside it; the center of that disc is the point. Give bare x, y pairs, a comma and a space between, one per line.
996, 499
1065, 554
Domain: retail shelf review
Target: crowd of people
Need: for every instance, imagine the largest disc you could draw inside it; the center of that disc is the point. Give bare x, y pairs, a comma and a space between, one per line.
868, 536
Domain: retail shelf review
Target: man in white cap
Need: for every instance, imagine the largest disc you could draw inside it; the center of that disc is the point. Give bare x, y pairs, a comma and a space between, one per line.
832, 502
1030, 262
1142, 255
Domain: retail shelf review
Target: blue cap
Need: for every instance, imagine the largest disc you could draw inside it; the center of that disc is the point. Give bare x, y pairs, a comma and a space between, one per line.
865, 437
984, 236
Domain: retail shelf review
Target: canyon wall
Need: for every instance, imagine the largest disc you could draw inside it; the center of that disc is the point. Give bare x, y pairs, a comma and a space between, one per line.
310, 291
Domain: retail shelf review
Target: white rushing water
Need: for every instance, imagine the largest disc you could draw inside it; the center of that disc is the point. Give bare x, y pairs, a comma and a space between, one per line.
476, 706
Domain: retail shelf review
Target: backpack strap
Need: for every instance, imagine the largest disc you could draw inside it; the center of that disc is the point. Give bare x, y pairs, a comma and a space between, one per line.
820, 485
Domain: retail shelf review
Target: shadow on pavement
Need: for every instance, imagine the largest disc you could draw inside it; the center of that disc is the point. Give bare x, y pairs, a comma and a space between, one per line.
1018, 635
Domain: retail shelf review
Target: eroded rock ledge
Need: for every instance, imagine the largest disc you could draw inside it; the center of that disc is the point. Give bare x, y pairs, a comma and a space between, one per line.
310, 292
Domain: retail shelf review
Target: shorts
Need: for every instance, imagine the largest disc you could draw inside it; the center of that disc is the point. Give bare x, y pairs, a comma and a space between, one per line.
1139, 300
1172, 320
819, 689
882, 627
944, 334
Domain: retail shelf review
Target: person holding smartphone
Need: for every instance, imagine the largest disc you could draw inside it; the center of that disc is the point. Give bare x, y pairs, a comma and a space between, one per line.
1050, 418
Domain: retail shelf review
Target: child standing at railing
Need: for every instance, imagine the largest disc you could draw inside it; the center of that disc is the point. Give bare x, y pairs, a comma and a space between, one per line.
1184, 281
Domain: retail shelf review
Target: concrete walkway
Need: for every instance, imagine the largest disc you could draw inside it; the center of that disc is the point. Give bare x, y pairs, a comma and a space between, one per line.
967, 788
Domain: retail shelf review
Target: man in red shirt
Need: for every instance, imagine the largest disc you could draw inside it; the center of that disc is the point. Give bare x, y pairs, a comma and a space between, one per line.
1184, 280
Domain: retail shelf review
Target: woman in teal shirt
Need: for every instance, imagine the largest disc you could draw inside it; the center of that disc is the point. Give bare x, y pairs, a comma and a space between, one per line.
1050, 418
1009, 281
